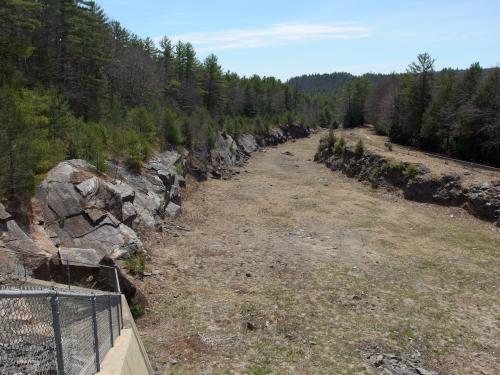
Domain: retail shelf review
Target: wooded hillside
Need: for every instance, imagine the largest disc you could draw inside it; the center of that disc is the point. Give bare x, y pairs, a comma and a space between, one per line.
74, 84
453, 112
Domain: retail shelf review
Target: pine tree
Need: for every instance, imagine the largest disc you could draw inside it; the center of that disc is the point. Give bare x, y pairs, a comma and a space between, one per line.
435, 134
17, 24
416, 96
487, 100
213, 85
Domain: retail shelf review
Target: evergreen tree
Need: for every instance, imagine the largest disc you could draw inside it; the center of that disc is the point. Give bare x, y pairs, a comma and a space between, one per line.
213, 88
416, 96
435, 134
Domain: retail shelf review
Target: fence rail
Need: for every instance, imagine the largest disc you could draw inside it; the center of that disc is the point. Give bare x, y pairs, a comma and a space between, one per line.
48, 332
16, 265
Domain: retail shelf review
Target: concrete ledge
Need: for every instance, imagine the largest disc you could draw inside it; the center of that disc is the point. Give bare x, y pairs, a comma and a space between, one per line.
127, 356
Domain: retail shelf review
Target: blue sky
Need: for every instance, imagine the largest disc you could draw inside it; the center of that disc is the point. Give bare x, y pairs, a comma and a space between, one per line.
287, 38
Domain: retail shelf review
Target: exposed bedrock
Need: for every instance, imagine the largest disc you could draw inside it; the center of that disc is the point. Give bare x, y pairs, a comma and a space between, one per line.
415, 181
227, 152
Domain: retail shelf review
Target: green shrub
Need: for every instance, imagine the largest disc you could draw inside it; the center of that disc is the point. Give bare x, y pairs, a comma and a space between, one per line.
171, 128
396, 165
179, 169
142, 121
137, 150
212, 137
410, 171
136, 308
331, 139
435, 178
359, 149
136, 264
340, 146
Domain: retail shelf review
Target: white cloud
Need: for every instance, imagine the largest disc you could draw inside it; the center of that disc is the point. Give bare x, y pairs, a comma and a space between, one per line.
279, 34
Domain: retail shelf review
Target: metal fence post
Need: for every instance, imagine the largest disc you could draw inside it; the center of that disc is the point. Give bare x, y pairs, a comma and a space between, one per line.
117, 280
110, 313
121, 312
56, 324
96, 339
68, 274
24, 268
118, 299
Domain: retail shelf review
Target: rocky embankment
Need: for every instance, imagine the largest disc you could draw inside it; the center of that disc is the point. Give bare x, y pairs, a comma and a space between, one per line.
415, 181
88, 217
228, 152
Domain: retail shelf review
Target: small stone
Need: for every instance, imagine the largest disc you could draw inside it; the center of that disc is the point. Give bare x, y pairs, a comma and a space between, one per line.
355, 297
423, 371
378, 360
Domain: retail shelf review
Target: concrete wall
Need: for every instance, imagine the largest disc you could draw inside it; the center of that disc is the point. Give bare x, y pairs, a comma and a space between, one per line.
127, 356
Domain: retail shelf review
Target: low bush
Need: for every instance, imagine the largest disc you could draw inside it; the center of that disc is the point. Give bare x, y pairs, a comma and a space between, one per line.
410, 171
136, 264
359, 149
340, 146
136, 308
331, 140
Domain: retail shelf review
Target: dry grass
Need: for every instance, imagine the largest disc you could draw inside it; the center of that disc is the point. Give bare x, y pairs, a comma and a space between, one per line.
294, 270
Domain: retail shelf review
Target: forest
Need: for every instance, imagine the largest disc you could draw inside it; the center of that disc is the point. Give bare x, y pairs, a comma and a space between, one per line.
451, 112
75, 84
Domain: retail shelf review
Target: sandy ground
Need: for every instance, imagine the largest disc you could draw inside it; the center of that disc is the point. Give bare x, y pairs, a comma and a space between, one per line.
470, 173
290, 268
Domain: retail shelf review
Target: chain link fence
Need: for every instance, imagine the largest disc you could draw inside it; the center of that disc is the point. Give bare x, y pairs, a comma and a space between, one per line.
47, 331
20, 267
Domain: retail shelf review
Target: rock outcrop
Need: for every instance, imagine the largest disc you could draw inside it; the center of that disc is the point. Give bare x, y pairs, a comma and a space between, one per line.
228, 153
415, 181
82, 219
19, 253
84, 211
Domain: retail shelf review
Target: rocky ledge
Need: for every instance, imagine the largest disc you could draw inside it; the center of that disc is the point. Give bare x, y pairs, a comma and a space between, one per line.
415, 181
228, 152
90, 218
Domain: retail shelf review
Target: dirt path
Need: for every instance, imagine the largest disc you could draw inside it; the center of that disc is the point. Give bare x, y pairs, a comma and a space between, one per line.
293, 269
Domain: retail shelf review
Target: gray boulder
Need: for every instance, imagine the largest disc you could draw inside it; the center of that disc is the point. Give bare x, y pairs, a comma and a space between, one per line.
129, 213
173, 210
248, 143
4, 215
18, 252
88, 188
484, 201
79, 256
123, 190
